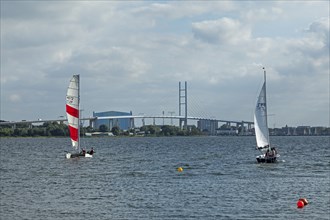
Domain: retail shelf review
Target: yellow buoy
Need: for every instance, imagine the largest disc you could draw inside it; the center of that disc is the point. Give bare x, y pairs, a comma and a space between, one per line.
180, 169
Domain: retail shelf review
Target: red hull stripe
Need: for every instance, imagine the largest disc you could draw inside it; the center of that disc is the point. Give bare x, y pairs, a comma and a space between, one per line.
73, 133
72, 111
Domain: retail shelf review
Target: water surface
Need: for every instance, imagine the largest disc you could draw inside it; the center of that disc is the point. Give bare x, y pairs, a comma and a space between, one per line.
136, 178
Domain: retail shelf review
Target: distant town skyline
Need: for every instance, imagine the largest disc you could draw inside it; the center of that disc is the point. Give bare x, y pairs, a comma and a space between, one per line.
132, 55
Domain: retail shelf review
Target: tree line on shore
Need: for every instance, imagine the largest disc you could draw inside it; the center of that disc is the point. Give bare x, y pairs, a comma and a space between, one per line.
55, 129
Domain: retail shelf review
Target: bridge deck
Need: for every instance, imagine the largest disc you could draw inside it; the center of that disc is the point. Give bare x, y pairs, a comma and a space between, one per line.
126, 116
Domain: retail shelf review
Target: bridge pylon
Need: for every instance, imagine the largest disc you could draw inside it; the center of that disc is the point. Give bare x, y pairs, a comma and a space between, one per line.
183, 101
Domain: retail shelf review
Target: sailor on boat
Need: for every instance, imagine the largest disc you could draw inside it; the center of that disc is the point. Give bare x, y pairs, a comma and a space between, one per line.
91, 152
83, 152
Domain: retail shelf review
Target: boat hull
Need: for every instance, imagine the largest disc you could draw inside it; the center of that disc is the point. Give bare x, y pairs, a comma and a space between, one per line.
264, 159
75, 155
88, 155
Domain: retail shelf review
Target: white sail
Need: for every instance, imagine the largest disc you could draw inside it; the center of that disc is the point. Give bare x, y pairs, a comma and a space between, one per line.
260, 119
72, 110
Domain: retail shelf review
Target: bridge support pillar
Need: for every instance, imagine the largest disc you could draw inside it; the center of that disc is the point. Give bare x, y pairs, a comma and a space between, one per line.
91, 123
131, 123
249, 126
183, 101
182, 123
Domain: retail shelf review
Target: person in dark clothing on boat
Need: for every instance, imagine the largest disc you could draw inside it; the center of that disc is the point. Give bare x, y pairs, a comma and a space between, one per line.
83, 152
267, 153
274, 150
91, 151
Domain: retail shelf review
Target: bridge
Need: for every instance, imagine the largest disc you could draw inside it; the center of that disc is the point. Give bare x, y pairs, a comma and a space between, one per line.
183, 117
92, 120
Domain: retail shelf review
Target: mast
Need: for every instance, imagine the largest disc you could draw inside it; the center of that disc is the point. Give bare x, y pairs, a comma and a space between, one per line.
78, 77
265, 95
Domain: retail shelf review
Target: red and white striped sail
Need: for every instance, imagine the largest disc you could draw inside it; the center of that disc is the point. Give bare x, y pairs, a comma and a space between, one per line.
72, 110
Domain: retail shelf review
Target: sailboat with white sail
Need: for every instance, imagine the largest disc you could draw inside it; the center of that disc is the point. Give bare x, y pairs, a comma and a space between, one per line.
73, 116
269, 154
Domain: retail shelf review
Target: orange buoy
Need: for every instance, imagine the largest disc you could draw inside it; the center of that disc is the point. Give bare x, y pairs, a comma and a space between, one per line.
304, 200
300, 204
180, 169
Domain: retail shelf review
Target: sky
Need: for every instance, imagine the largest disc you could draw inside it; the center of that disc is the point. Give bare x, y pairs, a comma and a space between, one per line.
131, 56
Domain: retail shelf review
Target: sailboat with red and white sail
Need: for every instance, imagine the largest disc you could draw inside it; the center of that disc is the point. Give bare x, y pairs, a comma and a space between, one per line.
73, 116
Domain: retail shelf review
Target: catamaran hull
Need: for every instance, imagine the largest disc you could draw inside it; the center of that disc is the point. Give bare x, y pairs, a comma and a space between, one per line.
88, 155
263, 159
74, 155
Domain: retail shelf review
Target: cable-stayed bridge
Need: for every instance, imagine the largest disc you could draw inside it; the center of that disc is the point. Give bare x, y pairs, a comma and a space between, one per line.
183, 118
213, 122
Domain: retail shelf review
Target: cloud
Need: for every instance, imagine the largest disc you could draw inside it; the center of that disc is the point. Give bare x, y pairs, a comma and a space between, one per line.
131, 56
178, 10
319, 36
224, 30
262, 14
14, 97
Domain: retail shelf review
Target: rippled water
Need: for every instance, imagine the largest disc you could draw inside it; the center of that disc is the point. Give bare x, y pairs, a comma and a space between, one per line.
136, 178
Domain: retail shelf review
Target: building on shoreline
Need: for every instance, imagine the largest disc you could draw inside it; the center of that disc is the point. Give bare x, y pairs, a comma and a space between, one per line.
300, 131
284, 131
122, 123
